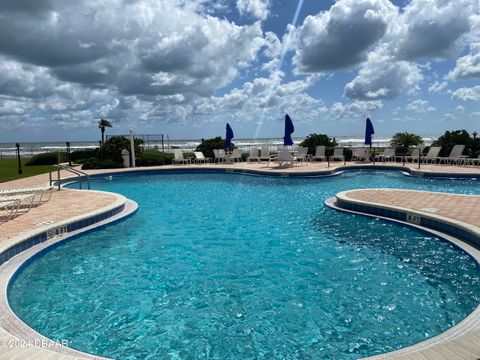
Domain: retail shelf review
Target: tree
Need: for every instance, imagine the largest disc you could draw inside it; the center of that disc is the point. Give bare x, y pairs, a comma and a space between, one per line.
314, 140
207, 146
401, 141
455, 137
102, 124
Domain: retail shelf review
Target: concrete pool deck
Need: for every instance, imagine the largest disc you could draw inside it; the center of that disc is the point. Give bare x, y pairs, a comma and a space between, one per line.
74, 204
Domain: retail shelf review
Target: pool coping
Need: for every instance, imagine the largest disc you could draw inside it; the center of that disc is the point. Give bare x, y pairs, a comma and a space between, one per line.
30, 245
450, 230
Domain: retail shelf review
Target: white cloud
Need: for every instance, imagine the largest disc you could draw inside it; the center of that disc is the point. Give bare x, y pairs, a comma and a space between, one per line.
384, 78
438, 86
256, 8
354, 110
420, 106
468, 66
467, 94
341, 37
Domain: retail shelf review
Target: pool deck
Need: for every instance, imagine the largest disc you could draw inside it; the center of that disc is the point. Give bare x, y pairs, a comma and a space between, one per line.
460, 342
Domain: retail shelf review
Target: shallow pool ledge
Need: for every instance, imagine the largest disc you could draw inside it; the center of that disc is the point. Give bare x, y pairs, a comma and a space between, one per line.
17, 339
454, 218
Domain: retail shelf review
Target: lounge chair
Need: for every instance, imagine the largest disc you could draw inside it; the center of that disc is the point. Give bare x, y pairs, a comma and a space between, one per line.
264, 154
236, 155
320, 153
284, 159
13, 203
338, 154
253, 154
432, 154
302, 154
360, 154
40, 194
413, 156
472, 161
178, 157
455, 156
219, 155
200, 158
388, 155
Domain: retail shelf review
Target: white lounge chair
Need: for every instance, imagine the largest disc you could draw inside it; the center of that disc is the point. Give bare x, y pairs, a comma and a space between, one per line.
455, 156
219, 155
413, 157
320, 153
388, 155
264, 154
432, 154
338, 154
302, 154
12, 204
253, 154
41, 194
178, 157
200, 158
284, 159
472, 161
360, 154
236, 155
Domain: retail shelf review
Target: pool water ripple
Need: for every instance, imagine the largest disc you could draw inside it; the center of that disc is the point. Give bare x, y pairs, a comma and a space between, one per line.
228, 266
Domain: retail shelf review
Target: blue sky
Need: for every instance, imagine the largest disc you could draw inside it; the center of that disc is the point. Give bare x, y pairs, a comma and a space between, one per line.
185, 68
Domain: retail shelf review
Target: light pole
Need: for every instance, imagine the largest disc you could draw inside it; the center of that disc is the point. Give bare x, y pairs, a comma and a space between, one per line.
20, 171
474, 135
68, 154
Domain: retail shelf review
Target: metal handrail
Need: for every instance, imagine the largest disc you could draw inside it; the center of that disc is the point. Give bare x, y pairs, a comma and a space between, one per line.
77, 172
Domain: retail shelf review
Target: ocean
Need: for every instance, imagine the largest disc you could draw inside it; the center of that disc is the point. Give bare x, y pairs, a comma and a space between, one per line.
29, 149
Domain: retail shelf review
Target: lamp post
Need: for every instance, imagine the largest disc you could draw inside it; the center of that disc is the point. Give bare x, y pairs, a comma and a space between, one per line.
474, 135
68, 154
20, 171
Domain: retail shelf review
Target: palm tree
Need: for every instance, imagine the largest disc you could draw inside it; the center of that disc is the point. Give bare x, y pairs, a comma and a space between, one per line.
102, 124
401, 141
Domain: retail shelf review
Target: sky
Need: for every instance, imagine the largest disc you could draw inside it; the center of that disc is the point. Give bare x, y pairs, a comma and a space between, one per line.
187, 67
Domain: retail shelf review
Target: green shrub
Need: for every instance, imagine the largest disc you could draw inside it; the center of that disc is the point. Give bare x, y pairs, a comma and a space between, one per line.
456, 137
112, 149
83, 155
94, 163
155, 158
207, 146
49, 158
402, 141
314, 140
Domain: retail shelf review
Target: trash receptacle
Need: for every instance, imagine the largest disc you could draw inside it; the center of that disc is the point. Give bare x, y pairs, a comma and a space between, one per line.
126, 158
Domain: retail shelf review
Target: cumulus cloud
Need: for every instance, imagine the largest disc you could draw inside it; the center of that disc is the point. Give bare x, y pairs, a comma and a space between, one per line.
467, 94
257, 8
468, 66
433, 28
420, 106
438, 86
354, 110
341, 37
382, 78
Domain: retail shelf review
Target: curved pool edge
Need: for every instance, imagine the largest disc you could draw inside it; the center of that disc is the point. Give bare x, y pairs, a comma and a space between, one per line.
19, 339
461, 341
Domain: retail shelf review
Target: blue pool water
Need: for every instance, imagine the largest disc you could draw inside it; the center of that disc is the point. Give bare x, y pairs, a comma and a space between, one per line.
224, 266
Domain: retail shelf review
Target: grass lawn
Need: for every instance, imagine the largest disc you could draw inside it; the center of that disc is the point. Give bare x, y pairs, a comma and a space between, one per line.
9, 169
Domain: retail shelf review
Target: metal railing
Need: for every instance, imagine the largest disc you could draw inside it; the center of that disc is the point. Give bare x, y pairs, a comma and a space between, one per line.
77, 172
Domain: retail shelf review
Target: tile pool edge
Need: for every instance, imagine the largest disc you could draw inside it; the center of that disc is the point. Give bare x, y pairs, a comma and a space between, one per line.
469, 325
28, 247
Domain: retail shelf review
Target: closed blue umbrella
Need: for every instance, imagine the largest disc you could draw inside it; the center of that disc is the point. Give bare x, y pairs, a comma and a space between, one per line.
228, 137
289, 129
369, 131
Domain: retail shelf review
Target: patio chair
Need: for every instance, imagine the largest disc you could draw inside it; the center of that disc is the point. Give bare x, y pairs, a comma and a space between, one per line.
178, 157
472, 161
320, 153
253, 154
264, 154
40, 194
219, 155
12, 204
413, 157
388, 155
432, 154
284, 159
360, 154
200, 158
302, 154
338, 154
454, 157
236, 155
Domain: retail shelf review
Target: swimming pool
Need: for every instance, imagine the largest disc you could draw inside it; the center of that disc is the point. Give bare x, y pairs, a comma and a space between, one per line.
235, 266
